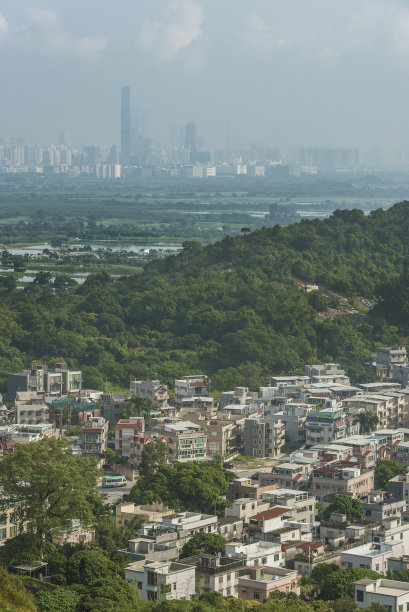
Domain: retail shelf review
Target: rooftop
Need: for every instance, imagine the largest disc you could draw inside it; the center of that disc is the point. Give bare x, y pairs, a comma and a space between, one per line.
270, 514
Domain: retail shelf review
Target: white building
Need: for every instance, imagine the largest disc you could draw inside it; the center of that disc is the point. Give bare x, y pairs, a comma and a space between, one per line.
391, 593
257, 553
162, 581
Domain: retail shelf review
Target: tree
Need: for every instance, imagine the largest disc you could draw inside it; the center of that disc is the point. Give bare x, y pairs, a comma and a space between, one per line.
85, 565
345, 505
112, 537
153, 455
111, 457
46, 485
322, 570
386, 469
58, 600
198, 487
206, 543
341, 582
368, 421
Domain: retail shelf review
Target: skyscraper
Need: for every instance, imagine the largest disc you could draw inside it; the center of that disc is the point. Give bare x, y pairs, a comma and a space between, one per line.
129, 127
190, 136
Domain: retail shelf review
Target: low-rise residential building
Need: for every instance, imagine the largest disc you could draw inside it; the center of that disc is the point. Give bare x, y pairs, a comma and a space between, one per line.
371, 556
125, 513
326, 426
399, 564
240, 395
74, 533
216, 574
151, 549
246, 488
150, 389
224, 435
390, 593
398, 487
31, 413
288, 475
161, 581
326, 373
246, 507
301, 504
294, 417
125, 430
181, 526
45, 381
326, 482
267, 521
389, 356
392, 530
263, 438
257, 553
230, 528
377, 507
191, 386
260, 581
186, 441
111, 407
94, 437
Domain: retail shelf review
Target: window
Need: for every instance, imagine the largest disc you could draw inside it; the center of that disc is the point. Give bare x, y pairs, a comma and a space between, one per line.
256, 594
151, 578
140, 586
401, 608
276, 556
359, 595
264, 560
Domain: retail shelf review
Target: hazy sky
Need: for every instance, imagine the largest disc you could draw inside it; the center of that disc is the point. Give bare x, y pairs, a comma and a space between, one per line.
277, 72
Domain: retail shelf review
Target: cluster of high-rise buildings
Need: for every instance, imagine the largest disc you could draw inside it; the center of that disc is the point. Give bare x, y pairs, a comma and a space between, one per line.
185, 154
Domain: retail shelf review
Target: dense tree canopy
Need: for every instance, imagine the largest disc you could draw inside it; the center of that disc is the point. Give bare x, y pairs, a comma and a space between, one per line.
231, 309
345, 505
206, 543
386, 469
46, 485
189, 486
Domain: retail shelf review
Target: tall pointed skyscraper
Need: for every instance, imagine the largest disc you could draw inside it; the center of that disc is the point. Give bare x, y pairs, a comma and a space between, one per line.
130, 138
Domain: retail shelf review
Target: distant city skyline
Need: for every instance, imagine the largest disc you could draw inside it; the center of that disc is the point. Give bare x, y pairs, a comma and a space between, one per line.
276, 73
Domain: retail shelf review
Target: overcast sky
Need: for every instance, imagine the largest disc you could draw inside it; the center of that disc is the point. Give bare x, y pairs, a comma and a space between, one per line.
274, 72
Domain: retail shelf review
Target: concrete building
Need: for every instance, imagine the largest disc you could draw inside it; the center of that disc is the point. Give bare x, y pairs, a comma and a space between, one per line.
263, 438
257, 553
125, 513
151, 389
261, 580
326, 426
187, 441
327, 373
111, 407
326, 482
240, 395
387, 357
45, 381
217, 574
289, 475
392, 409
301, 504
94, 437
160, 581
390, 593
245, 508
125, 431
246, 488
377, 508
191, 386
400, 373
371, 556
31, 412
398, 487
294, 418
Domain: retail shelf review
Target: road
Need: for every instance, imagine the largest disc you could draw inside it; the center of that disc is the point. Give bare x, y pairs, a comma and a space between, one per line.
112, 495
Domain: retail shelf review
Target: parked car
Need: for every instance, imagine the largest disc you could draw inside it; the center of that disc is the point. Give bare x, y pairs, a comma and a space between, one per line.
254, 476
228, 465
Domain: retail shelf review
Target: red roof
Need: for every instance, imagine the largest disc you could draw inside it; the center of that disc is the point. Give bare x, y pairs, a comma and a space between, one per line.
366, 453
269, 514
382, 447
297, 477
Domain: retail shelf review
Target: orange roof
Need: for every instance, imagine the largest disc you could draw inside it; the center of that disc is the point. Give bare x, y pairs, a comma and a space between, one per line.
269, 514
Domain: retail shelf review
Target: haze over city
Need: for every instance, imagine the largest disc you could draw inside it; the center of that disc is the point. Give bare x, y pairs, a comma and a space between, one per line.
276, 73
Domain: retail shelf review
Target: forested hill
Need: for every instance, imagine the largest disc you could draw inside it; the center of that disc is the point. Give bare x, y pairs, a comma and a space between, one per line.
347, 252
230, 310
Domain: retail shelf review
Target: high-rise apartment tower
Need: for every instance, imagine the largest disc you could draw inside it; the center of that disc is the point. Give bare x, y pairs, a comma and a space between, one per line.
130, 138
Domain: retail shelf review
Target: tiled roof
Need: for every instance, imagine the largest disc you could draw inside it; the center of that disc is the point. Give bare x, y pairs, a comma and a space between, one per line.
269, 514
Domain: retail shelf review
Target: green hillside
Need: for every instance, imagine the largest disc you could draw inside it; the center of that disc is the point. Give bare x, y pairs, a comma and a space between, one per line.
231, 309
